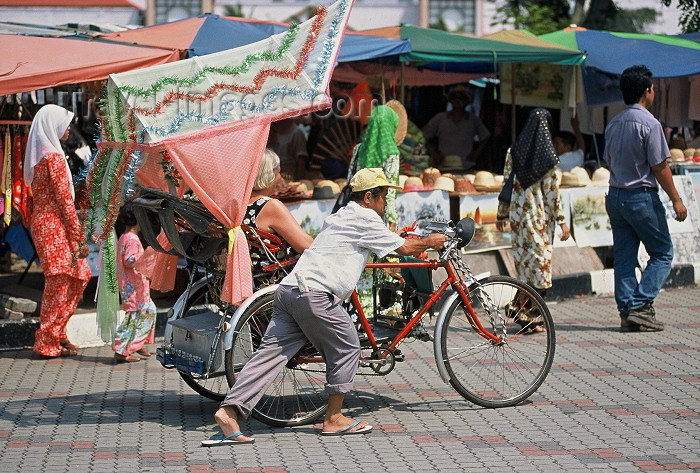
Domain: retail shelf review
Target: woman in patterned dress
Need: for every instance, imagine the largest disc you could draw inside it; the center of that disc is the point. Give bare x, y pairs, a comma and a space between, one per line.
535, 205
271, 215
58, 236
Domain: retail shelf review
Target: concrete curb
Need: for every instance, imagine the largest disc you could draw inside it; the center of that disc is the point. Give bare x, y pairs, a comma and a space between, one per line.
602, 282
82, 327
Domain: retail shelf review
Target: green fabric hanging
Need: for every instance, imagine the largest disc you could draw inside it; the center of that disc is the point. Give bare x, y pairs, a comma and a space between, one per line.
379, 142
108, 292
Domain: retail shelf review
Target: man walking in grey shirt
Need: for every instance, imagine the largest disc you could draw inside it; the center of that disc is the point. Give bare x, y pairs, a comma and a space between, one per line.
636, 153
308, 306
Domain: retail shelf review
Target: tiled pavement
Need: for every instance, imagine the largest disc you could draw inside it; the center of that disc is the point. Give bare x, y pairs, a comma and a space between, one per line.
612, 402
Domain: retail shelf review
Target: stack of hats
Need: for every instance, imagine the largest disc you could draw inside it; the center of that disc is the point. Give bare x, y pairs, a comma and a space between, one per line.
444, 183
430, 175
326, 189
601, 177
677, 155
577, 177
485, 181
413, 184
463, 184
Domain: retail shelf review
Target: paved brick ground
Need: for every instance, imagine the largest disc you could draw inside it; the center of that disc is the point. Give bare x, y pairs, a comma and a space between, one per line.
613, 402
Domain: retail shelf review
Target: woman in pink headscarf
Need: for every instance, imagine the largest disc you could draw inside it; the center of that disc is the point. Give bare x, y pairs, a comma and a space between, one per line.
57, 234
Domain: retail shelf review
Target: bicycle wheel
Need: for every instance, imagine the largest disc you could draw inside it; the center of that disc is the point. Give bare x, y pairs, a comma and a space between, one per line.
498, 374
296, 396
215, 385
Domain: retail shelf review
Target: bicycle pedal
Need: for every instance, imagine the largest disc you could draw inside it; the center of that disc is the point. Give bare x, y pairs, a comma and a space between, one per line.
419, 333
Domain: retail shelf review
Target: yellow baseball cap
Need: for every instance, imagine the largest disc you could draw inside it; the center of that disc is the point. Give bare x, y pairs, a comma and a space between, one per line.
369, 178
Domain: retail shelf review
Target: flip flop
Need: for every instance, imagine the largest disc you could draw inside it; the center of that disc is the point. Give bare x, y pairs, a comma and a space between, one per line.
533, 329
64, 352
219, 440
65, 343
143, 352
348, 430
125, 358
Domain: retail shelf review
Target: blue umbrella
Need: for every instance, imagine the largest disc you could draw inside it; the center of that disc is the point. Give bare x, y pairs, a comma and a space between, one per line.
664, 55
209, 33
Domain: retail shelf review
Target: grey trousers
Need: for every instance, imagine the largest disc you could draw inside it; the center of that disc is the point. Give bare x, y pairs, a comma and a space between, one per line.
316, 316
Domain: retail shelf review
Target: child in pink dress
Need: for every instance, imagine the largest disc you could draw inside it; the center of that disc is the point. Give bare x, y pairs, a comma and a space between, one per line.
137, 327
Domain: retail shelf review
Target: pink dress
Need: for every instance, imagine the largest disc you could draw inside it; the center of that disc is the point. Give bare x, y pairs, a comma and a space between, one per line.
139, 321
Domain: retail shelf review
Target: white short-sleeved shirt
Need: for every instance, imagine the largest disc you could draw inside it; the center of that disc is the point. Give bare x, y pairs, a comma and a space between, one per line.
335, 260
569, 160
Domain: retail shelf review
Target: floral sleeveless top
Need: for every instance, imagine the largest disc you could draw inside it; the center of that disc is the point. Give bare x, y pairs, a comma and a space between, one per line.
258, 256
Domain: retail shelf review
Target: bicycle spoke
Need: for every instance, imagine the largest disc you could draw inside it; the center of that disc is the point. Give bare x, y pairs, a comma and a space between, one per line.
498, 374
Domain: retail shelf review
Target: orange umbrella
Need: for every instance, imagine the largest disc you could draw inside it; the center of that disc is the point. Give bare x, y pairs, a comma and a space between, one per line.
31, 62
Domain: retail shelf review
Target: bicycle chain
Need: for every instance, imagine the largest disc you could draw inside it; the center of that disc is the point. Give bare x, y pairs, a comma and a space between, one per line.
463, 270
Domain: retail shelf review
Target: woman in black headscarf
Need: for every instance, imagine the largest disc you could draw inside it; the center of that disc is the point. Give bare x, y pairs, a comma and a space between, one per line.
534, 207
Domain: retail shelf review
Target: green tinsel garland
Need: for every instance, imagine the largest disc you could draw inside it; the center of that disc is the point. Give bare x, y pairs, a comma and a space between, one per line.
108, 291
245, 66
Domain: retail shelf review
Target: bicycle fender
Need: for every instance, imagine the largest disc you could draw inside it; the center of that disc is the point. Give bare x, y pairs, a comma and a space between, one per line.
179, 306
228, 335
440, 326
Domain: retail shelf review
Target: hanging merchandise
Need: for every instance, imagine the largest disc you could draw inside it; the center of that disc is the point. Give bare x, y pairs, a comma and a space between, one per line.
19, 189
6, 181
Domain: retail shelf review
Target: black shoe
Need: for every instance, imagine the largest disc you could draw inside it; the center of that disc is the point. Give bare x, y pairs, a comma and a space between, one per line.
645, 316
627, 326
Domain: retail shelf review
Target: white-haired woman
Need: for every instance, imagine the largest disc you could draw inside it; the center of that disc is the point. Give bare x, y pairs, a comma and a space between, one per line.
271, 215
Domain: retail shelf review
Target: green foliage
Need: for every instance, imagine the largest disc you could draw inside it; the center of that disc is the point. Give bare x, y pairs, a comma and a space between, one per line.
544, 16
439, 24
689, 20
537, 16
234, 10
631, 21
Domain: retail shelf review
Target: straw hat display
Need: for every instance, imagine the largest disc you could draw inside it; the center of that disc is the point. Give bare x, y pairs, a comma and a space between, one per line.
402, 180
452, 161
582, 173
401, 129
677, 155
696, 156
309, 184
484, 181
299, 187
601, 177
335, 188
325, 189
688, 153
413, 184
577, 177
341, 181
444, 183
464, 185
429, 177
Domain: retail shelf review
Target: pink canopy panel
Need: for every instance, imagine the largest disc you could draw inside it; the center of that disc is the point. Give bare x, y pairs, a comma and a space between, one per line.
212, 115
30, 62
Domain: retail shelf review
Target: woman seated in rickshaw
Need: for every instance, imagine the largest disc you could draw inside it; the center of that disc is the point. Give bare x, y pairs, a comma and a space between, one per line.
277, 233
